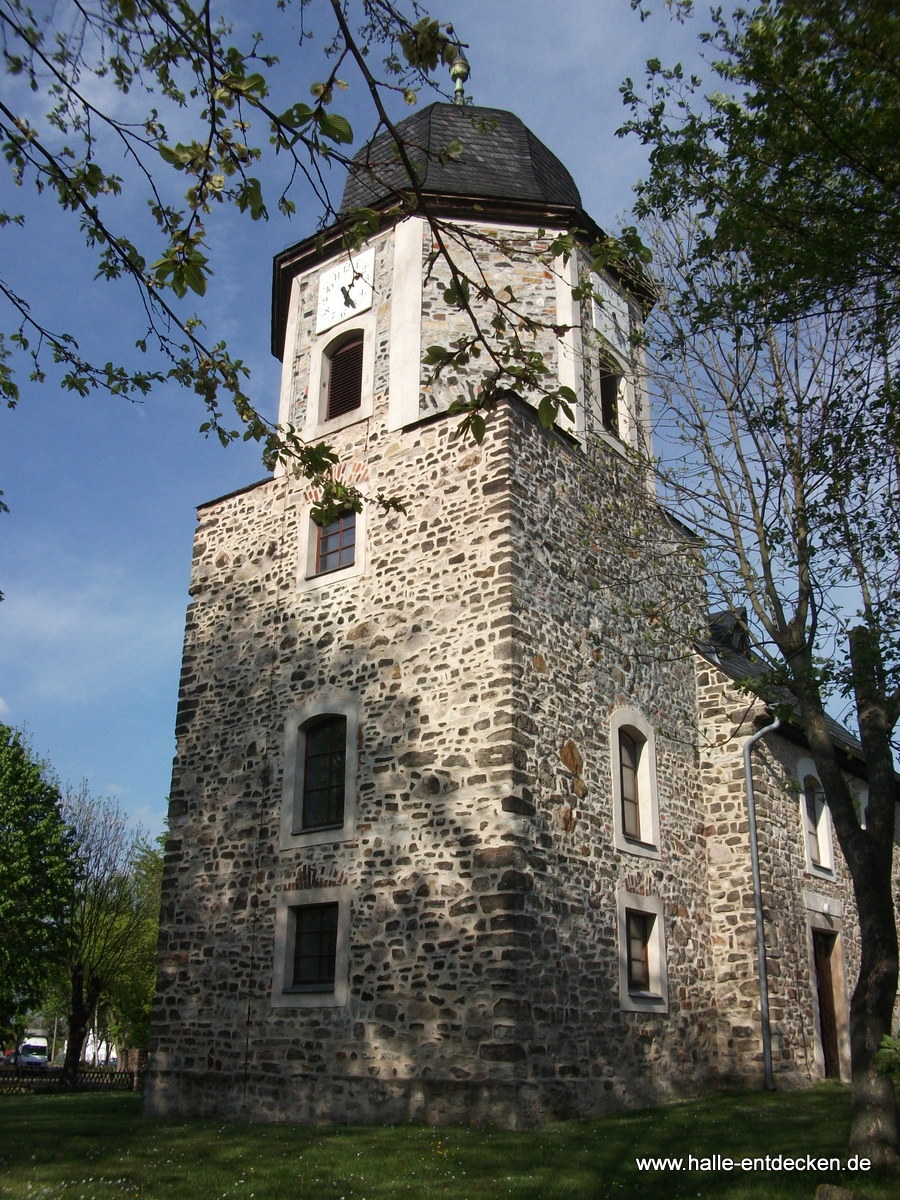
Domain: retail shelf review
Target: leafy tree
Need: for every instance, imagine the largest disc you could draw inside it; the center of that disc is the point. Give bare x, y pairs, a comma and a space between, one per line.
775, 344
794, 161
36, 873
130, 994
112, 909
173, 64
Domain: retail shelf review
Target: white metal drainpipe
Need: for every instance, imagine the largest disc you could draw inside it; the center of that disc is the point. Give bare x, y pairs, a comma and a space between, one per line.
757, 902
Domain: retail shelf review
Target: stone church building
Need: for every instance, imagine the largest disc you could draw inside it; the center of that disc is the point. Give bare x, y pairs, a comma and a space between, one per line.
451, 838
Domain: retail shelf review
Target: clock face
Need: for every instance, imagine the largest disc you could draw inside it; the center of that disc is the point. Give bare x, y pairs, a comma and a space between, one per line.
611, 317
345, 290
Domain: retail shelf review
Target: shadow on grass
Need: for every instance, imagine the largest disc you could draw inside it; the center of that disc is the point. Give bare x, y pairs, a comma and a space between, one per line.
100, 1147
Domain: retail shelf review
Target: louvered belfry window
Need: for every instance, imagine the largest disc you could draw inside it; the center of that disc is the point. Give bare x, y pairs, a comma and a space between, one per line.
345, 377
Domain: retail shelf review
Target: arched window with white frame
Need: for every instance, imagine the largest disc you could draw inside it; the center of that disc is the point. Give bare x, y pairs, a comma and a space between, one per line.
635, 802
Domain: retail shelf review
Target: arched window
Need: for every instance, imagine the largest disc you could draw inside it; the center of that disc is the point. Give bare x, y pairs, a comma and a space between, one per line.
635, 809
324, 773
344, 374
611, 382
319, 785
629, 759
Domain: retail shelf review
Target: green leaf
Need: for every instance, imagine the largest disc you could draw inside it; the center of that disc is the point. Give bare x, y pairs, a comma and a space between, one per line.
335, 127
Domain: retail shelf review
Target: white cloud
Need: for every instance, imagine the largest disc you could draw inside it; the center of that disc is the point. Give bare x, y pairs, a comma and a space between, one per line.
82, 638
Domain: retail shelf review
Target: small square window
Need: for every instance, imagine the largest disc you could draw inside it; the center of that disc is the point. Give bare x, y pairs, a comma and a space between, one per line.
336, 544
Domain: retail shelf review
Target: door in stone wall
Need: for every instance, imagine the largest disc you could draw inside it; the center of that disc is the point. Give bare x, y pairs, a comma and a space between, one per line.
823, 948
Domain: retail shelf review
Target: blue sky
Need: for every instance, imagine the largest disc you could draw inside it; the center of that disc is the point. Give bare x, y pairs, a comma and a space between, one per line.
95, 552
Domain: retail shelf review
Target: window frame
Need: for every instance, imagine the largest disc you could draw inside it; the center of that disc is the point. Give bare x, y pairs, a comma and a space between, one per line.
338, 347
634, 725
817, 824
308, 578
338, 724
325, 703
317, 423
338, 527
333, 993
651, 911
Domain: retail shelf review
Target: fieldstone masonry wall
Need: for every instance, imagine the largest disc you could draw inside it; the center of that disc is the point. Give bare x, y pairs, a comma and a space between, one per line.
487, 644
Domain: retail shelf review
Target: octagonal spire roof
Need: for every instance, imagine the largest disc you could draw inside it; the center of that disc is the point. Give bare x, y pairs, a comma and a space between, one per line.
499, 159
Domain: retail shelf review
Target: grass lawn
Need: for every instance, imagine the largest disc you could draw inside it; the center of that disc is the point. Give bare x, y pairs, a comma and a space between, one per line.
99, 1147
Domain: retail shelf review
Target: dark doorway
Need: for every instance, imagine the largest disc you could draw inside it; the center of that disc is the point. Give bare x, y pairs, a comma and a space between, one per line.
823, 949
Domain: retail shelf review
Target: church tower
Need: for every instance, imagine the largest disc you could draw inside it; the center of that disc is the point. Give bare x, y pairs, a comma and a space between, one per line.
434, 845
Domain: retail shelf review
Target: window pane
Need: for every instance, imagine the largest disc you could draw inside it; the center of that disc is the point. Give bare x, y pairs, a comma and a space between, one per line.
336, 544
315, 944
813, 810
629, 754
638, 927
609, 400
323, 773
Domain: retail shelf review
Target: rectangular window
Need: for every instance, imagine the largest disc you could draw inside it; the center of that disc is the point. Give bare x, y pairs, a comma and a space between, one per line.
638, 930
311, 966
336, 544
315, 946
324, 773
643, 977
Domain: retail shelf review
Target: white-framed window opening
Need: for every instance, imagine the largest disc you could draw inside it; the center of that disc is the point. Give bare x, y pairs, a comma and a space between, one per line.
815, 823
643, 978
634, 787
320, 771
329, 554
341, 377
312, 948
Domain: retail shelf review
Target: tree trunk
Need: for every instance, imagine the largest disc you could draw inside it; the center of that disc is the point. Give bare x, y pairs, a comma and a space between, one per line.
81, 1008
869, 854
873, 1121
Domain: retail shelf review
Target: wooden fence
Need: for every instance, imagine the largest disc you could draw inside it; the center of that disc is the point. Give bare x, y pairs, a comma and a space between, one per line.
18, 1081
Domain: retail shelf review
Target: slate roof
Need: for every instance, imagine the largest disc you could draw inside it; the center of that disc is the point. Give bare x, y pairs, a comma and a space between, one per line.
727, 650
501, 159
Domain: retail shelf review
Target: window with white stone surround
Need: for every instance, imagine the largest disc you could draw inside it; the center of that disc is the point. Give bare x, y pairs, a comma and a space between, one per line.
815, 821
312, 934
320, 770
643, 978
635, 805
331, 553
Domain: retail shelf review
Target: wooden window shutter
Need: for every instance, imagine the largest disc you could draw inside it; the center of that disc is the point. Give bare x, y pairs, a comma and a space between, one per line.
345, 377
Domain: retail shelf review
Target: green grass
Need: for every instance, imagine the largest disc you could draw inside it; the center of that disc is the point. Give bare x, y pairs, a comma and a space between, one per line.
99, 1147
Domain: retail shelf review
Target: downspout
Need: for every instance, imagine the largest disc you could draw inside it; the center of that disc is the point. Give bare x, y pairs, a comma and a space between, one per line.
757, 903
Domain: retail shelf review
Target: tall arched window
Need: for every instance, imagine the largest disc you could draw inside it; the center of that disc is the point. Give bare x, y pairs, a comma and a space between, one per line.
634, 792
343, 378
629, 759
324, 773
